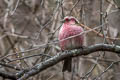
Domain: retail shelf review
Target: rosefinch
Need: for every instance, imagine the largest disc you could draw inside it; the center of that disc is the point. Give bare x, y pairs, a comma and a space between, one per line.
70, 28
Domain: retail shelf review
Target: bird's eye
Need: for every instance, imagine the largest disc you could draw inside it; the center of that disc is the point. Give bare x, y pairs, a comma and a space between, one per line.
66, 19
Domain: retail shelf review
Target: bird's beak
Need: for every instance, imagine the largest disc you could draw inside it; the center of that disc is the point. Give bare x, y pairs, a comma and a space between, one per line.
62, 21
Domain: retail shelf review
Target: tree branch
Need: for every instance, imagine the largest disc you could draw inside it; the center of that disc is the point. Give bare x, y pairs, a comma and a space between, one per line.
7, 75
72, 53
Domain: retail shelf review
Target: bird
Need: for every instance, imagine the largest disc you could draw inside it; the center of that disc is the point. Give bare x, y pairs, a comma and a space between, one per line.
70, 28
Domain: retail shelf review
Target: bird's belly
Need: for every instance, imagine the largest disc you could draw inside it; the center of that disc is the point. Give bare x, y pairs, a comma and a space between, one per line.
73, 43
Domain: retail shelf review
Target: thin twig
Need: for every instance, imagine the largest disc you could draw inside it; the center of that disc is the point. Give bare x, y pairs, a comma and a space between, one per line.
51, 43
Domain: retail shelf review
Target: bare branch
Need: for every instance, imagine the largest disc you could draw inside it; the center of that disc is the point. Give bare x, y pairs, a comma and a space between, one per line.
72, 53
8, 75
9, 66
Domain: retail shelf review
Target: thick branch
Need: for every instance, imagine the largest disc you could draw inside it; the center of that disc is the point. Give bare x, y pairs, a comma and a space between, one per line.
7, 75
72, 53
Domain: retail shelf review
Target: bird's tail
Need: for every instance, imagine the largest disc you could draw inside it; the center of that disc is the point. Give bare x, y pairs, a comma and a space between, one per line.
67, 65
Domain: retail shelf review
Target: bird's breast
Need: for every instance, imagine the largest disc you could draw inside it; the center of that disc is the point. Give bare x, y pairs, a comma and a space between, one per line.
70, 43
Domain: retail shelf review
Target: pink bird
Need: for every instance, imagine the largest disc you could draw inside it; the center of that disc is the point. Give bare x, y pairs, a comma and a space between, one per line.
70, 28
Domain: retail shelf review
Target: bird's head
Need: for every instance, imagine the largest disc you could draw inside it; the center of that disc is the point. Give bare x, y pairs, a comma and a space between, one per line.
70, 20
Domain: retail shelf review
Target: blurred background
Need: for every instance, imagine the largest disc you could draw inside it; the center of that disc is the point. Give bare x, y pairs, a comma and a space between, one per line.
29, 33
